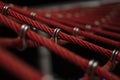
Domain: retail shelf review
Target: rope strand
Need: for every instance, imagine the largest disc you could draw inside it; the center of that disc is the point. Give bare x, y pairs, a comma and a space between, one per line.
65, 28
17, 67
70, 56
64, 36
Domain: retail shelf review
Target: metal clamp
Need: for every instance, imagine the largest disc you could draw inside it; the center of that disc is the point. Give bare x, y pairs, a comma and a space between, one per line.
113, 59
59, 15
33, 29
97, 23
69, 15
55, 34
5, 9
47, 15
32, 15
25, 7
77, 15
91, 69
103, 20
108, 17
24, 28
11, 5
75, 31
88, 27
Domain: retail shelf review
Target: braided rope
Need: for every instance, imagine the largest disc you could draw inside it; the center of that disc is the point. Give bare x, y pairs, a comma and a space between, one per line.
12, 43
32, 36
64, 36
68, 29
17, 67
92, 29
70, 56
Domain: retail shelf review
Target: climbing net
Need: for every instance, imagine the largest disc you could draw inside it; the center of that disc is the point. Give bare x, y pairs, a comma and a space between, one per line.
72, 25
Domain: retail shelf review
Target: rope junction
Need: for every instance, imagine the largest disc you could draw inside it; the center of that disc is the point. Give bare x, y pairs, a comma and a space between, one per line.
66, 25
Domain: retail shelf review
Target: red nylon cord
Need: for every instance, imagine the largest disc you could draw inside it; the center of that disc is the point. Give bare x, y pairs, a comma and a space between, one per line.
12, 43
93, 29
65, 36
72, 40
68, 29
17, 67
70, 56
88, 17
104, 26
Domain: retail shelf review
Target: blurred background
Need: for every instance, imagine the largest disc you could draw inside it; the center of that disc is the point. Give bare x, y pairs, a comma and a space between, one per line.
53, 2
41, 2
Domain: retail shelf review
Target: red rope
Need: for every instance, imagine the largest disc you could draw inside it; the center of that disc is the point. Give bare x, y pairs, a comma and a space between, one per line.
15, 43
103, 26
70, 56
92, 16
63, 35
68, 29
81, 26
17, 67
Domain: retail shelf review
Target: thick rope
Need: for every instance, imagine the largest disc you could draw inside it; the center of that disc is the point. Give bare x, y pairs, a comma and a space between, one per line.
17, 67
70, 56
65, 28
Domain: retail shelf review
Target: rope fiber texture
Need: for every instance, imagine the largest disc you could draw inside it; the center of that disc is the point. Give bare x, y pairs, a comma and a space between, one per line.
63, 36
70, 56
63, 27
37, 40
